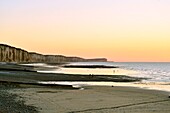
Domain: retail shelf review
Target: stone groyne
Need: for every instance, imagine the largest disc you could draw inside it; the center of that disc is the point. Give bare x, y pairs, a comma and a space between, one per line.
13, 54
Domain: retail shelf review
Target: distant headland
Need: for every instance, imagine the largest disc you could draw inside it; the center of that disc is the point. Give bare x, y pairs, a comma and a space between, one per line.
13, 54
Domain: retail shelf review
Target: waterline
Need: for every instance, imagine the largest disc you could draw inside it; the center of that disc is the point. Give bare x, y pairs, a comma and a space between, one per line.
143, 85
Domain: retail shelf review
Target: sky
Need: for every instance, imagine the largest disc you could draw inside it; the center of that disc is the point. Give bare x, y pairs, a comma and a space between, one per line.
119, 30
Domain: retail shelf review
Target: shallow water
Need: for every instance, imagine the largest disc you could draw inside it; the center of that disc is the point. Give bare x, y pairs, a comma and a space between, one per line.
154, 86
96, 71
158, 74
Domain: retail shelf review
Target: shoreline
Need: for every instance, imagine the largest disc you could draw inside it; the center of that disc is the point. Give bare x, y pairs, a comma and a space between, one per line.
140, 85
94, 99
27, 94
89, 66
27, 75
55, 98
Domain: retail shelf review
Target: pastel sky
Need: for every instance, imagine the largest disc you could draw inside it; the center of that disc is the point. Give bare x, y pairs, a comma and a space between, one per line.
120, 30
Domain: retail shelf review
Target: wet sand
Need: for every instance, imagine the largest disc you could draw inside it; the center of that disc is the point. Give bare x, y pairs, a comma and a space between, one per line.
95, 99
27, 74
89, 66
20, 92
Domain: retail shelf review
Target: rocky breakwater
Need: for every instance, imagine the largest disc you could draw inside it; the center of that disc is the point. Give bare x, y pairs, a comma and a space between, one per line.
13, 54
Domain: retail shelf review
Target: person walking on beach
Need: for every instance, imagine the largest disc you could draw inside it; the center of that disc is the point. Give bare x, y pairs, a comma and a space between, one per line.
114, 71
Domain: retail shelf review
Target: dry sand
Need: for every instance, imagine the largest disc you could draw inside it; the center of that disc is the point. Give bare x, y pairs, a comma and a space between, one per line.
95, 99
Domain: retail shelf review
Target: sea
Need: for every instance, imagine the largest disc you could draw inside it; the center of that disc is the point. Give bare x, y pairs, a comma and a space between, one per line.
156, 74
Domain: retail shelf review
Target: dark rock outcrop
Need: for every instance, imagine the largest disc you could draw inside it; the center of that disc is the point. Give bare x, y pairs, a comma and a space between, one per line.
12, 54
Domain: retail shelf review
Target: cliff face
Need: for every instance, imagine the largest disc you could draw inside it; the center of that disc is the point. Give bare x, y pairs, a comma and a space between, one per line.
12, 54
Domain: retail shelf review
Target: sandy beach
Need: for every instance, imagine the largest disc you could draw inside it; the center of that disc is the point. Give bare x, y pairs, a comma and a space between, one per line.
94, 99
20, 91
84, 56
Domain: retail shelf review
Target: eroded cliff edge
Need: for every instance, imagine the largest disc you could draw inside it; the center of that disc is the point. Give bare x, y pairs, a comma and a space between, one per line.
13, 54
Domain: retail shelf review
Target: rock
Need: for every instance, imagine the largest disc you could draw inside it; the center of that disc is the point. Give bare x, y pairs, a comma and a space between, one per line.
13, 54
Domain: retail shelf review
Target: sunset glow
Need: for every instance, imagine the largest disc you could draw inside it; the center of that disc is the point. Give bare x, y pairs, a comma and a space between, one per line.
120, 30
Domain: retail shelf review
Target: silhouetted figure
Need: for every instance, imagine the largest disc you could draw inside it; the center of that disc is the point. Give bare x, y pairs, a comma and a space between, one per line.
92, 75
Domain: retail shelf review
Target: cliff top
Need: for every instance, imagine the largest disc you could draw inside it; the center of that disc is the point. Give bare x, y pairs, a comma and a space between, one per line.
69, 57
5, 45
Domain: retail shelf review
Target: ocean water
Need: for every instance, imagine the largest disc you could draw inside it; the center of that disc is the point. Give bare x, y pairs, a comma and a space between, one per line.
157, 74
154, 71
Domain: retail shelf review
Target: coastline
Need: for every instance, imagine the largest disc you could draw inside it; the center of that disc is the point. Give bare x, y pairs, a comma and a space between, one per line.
21, 85
87, 99
93, 99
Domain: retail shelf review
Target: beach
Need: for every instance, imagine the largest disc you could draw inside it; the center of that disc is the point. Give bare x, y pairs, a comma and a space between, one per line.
90, 99
22, 89
84, 56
